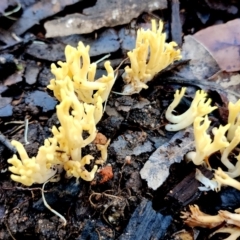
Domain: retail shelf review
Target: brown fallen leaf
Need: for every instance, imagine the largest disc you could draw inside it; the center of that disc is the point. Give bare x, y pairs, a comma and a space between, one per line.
230, 82
38, 11
104, 14
201, 66
14, 78
223, 42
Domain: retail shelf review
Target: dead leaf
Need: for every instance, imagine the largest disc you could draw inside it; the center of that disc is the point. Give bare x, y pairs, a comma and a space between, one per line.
107, 42
49, 52
224, 44
201, 65
104, 14
230, 82
38, 11
156, 169
14, 78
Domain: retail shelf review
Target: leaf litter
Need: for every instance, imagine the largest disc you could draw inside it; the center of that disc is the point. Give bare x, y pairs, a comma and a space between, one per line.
223, 45
111, 13
135, 124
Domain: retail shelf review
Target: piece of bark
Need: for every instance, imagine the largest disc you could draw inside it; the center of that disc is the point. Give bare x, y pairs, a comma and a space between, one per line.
176, 25
104, 14
187, 190
156, 170
146, 223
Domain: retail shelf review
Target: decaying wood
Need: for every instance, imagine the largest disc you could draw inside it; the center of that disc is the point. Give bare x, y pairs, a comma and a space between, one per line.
156, 169
187, 190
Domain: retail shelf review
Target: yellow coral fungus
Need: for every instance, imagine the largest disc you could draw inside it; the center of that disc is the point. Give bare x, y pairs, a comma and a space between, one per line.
233, 118
200, 106
32, 170
203, 142
80, 109
223, 178
150, 56
82, 73
234, 142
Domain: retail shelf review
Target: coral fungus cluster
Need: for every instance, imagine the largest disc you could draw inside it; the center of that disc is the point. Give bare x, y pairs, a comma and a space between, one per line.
150, 55
205, 146
81, 100
225, 139
81, 107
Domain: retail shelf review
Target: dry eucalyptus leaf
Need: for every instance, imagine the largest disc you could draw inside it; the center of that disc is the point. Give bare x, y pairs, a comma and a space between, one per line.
14, 78
156, 169
201, 65
38, 11
107, 42
223, 42
104, 14
230, 82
